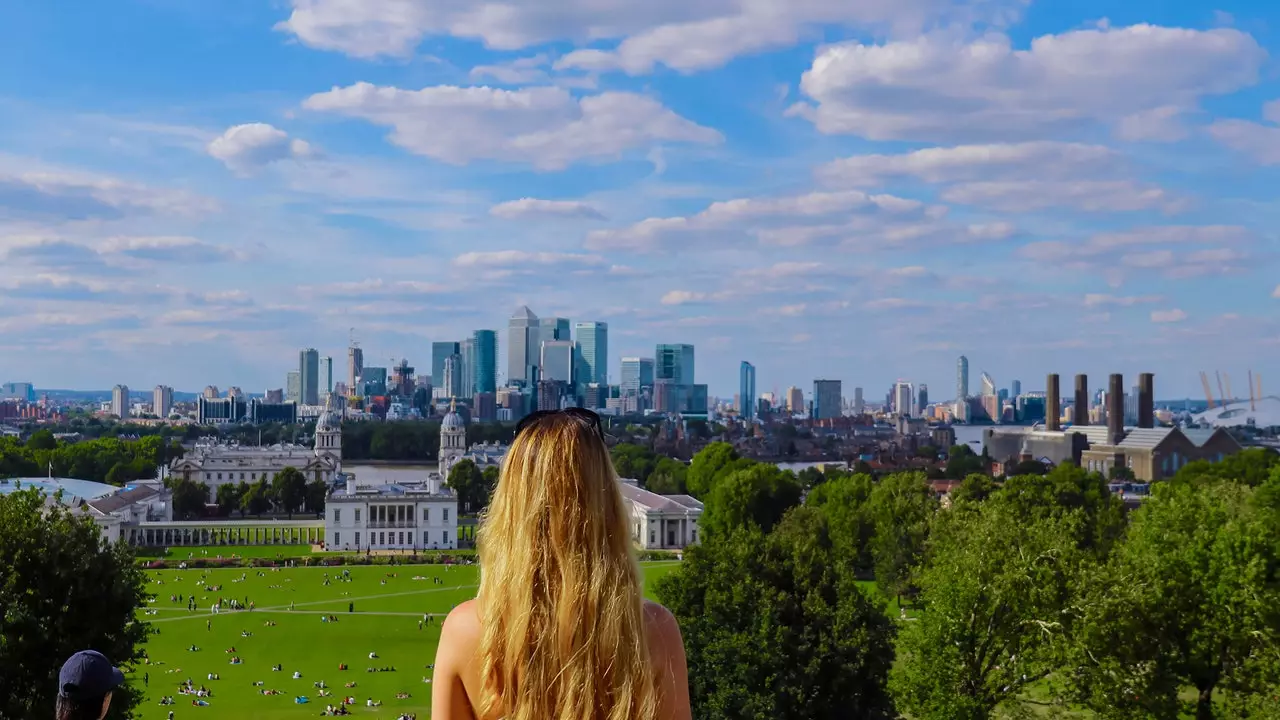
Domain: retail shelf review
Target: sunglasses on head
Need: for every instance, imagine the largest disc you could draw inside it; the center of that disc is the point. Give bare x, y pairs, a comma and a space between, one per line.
591, 419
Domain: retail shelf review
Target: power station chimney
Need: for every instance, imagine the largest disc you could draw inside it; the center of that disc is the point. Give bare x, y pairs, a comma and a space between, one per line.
1146, 400
1082, 399
1115, 410
1052, 400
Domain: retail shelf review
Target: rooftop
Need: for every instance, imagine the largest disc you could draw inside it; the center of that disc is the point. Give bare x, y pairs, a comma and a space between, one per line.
71, 487
390, 490
111, 503
662, 503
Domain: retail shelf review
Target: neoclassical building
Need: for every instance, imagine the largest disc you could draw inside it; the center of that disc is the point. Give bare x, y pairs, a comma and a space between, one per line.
453, 441
217, 464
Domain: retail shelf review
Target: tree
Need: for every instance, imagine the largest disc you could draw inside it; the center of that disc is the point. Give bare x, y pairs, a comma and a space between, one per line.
257, 499
317, 493
189, 498
633, 461
228, 498
1188, 598
241, 490
1063, 489
1251, 466
289, 486
844, 502
973, 489
755, 496
467, 481
961, 461
994, 596
65, 588
42, 440
706, 465
774, 629
668, 477
901, 507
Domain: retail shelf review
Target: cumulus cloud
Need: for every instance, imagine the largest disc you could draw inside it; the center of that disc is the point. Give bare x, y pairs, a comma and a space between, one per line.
376, 289
1168, 316
684, 297
522, 258
1100, 300
1276, 293
1042, 159
35, 192
53, 252
249, 147
533, 207
1260, 142
936, 88
546, 127
1088, 195
174, 249
1176, 251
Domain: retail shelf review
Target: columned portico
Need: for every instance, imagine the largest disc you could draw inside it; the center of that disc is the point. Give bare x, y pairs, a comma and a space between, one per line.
214, 533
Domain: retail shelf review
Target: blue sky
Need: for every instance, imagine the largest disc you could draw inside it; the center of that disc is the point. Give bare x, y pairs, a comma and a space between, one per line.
190, 192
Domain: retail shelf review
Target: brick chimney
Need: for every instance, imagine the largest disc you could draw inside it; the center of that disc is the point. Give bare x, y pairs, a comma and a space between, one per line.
1146, 400
1052, 402
1082, 400
1115, 410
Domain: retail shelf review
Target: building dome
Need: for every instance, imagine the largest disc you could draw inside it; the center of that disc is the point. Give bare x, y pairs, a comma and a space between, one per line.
452, 420
328, 421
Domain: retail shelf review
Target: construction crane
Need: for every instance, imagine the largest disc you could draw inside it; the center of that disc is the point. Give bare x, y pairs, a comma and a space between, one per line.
1259, 386
1253, 403
1228, 398
1208, 392
1221, 395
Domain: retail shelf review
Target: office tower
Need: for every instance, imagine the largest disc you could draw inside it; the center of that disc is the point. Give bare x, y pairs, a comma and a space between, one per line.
903, 398
747, 391
485, 352
355, 367
674, 363
858, 404
374, 381
309, 376
162, 401
795, 399
120, 401
1015, 388
235, 392
1052, 402
326, 376
523, 347
1081, 414
18, 391
827, 399
451, 376
1146, 400
211, 392
922, 400
557, 361
402, 382
550, 329
484, 406
988, 385
592, 353
273, 397
293, 387
637, 373
467, 352
1131, 407
440, 351
962, 378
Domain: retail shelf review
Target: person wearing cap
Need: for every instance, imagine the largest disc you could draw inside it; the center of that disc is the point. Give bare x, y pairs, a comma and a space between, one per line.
85, 685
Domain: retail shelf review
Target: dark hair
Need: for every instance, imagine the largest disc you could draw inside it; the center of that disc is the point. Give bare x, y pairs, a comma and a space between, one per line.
79, 708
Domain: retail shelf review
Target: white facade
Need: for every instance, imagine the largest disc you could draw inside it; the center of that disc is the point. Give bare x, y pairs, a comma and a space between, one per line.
904, 398
162, 401
453, 441
120, 401
402, 516
147, 501
661, 522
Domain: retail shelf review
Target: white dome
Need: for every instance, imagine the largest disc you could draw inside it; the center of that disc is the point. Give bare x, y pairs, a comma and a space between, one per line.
327, 422
452, 420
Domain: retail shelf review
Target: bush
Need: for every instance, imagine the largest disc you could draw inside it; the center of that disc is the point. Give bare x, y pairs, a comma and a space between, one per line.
430, 557
657, 555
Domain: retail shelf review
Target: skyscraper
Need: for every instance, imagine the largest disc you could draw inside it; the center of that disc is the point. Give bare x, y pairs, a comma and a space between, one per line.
355, 367
747, 391
795, 399
120, 401
962, 378
309, 376
903, 398
326, 375
467, 351
827, 399
988, 385
440, 351
293, 387
922, 400
859, 405
162, 401
451, 376
523, 347
637, 372
485, 352
1015, 388
557, 361
674, 363
592, 353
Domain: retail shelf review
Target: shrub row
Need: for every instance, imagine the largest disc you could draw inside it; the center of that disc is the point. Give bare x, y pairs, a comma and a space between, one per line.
422, 558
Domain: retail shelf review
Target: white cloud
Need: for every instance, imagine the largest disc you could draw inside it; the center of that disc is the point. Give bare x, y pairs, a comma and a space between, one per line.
992, 231
59, 252
1260, 142
522, 258
1099, 300
521, 71
378, 288
249, 147
1176, 251
684, 297
1041, 159
168, 249
533, 207
936, 88
1168, 316
1087, 195
543, 126
33, 190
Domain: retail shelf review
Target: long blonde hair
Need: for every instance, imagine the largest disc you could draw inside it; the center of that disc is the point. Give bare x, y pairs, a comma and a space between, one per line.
560, 595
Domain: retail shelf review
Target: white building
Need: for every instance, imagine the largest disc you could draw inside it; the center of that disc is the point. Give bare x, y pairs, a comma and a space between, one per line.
453, 440
216, 464
162, 401
145, 501
120, 401
661, 522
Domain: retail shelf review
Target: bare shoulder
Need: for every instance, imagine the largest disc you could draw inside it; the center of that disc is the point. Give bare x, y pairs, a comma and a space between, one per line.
463, 621
661, 625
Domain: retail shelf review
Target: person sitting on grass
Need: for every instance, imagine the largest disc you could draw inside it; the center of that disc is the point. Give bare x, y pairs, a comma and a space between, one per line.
350, 684
555, 543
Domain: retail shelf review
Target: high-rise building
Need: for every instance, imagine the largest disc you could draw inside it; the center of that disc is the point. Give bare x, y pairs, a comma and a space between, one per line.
18, 391
988, 385
674, 363
326, 375
211, 392
402, 381
293, 387
557, 361
440, 351
859, 405
828, 399
1015, 388
747, 391
467, 351
120, 401
452, 376
523, 348
273, 397
962, 378
795, 399
903, 398
922, 400
162, 401
553, 329
235, 392
637, 372
309, 376
355, 367
592, 359
485, 356
374, 380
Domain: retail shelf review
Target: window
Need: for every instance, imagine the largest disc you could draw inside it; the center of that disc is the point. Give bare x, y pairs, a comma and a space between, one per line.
401, 538
382, 538
445, 539
241, 476
208, 476
337, 516
425, 535
446, 515
695, 534
336, 539
357, 539
357, 515
426, 514
652, 538
219, 476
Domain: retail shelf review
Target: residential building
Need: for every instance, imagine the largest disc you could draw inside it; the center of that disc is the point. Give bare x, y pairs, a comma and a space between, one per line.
550, 394
162, 401
485, 356
557, 361
309, 376
637, 372
795, 399
674, 363
523, 347
440, 352
747, 391
293, 387
988, 386
120, 401
592, 353
484, 406
326, 374
661, 522
235, 392
211, 392
962, 379
903, 399
827, 399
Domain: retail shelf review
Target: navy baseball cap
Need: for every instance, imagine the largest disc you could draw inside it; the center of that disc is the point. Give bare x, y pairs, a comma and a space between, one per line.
88, 674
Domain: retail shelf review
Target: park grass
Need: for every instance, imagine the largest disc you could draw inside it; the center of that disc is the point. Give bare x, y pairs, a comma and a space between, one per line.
226, 551
387, 601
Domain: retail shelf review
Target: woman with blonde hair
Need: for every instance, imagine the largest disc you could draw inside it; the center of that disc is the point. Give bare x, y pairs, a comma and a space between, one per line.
559, 629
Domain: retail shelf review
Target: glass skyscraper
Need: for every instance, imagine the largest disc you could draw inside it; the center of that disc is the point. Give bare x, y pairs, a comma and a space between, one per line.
524, 347
827, 399
675, 364
309, 376
485, 357
747, 391
467, 351
962, 378
636, 373
440, 352
326, 374
592, 353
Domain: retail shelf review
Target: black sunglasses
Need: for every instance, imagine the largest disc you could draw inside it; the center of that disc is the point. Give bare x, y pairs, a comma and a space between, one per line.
591, 419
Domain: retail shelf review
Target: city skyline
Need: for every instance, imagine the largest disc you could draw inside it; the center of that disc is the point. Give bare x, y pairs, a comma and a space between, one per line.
175, 213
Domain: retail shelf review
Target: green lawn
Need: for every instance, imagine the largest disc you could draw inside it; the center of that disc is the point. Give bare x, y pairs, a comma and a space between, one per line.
244, 551
385, 621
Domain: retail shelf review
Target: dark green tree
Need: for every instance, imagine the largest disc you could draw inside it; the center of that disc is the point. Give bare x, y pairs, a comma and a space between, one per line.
42, 440
962, 461
289, 488
317, 493
973, 489
1251, 466
63, 588
636, 462
755, 496
901, 506
706, 465
189, 498
1067, 488
228, 498
466, 479
774, 629
844, 502
668, 477
256, 499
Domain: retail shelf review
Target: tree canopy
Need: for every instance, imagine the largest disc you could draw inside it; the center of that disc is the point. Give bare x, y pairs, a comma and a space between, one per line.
289, 489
